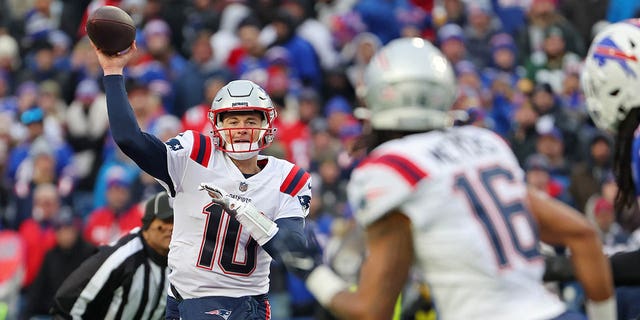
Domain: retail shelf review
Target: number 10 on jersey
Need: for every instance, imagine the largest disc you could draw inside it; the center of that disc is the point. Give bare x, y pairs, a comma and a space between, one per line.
221, 242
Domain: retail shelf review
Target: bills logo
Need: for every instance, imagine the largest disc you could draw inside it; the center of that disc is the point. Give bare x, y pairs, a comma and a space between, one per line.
607, 50
222, 313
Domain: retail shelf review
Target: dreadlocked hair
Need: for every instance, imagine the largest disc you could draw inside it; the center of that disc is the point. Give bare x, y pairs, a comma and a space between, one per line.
626, 195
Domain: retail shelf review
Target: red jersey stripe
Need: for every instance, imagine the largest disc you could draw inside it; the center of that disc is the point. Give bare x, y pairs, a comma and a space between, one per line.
401, 165
287, 181
294, 181
195, 150
301, 183
207, 152
201, 151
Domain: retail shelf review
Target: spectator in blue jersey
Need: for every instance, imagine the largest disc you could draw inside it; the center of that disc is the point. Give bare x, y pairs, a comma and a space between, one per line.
548, 107
620, 10
481, 26
551, 144
304, 59
451, 41
538, 176
118, 159
379, 17
86, 131
189, 86
503, 63
9, 58
161, 64
33, 120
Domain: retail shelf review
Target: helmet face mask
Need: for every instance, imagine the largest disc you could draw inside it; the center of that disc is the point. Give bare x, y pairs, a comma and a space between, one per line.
611, 74
244, 98
410, 86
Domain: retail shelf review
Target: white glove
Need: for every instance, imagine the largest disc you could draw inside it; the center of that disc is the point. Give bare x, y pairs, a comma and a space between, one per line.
222, 198
261, 228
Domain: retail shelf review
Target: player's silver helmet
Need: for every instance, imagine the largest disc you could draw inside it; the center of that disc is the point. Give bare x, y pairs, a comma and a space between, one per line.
611, 74
242, 95
409, 86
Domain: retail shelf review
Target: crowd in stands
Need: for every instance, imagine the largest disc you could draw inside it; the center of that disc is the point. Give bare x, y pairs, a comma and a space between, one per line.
66, 186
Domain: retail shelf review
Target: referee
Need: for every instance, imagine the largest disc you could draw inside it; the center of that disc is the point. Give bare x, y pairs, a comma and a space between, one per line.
127, 280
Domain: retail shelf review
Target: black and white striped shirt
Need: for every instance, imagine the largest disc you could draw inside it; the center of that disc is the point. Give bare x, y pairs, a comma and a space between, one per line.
127, 280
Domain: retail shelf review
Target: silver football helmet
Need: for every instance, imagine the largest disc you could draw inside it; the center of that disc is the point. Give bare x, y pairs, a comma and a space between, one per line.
611, 74
409, 86
242, 95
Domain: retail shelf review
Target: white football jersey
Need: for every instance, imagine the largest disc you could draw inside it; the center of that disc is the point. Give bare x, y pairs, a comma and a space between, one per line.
210, 254
475, 241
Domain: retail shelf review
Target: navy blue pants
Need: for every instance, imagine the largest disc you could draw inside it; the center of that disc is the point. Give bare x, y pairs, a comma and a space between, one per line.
214, 308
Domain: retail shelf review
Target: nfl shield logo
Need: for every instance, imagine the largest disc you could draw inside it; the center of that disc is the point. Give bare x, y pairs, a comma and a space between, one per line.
243, 186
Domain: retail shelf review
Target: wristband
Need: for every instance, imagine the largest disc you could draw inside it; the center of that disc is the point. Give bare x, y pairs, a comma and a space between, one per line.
324, 284
602, 310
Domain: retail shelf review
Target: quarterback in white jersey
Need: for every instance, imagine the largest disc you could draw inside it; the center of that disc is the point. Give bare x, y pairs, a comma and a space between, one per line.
453, 203
234, 209
222, 258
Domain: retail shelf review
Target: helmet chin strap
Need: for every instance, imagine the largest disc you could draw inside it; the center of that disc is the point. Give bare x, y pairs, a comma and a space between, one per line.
238, 150
242, 155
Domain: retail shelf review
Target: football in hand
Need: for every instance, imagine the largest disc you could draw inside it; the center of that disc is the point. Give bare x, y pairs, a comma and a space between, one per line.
111, 30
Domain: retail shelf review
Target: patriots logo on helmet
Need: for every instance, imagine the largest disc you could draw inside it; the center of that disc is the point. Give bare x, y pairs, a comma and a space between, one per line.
222, 313
305, 202
607, 50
